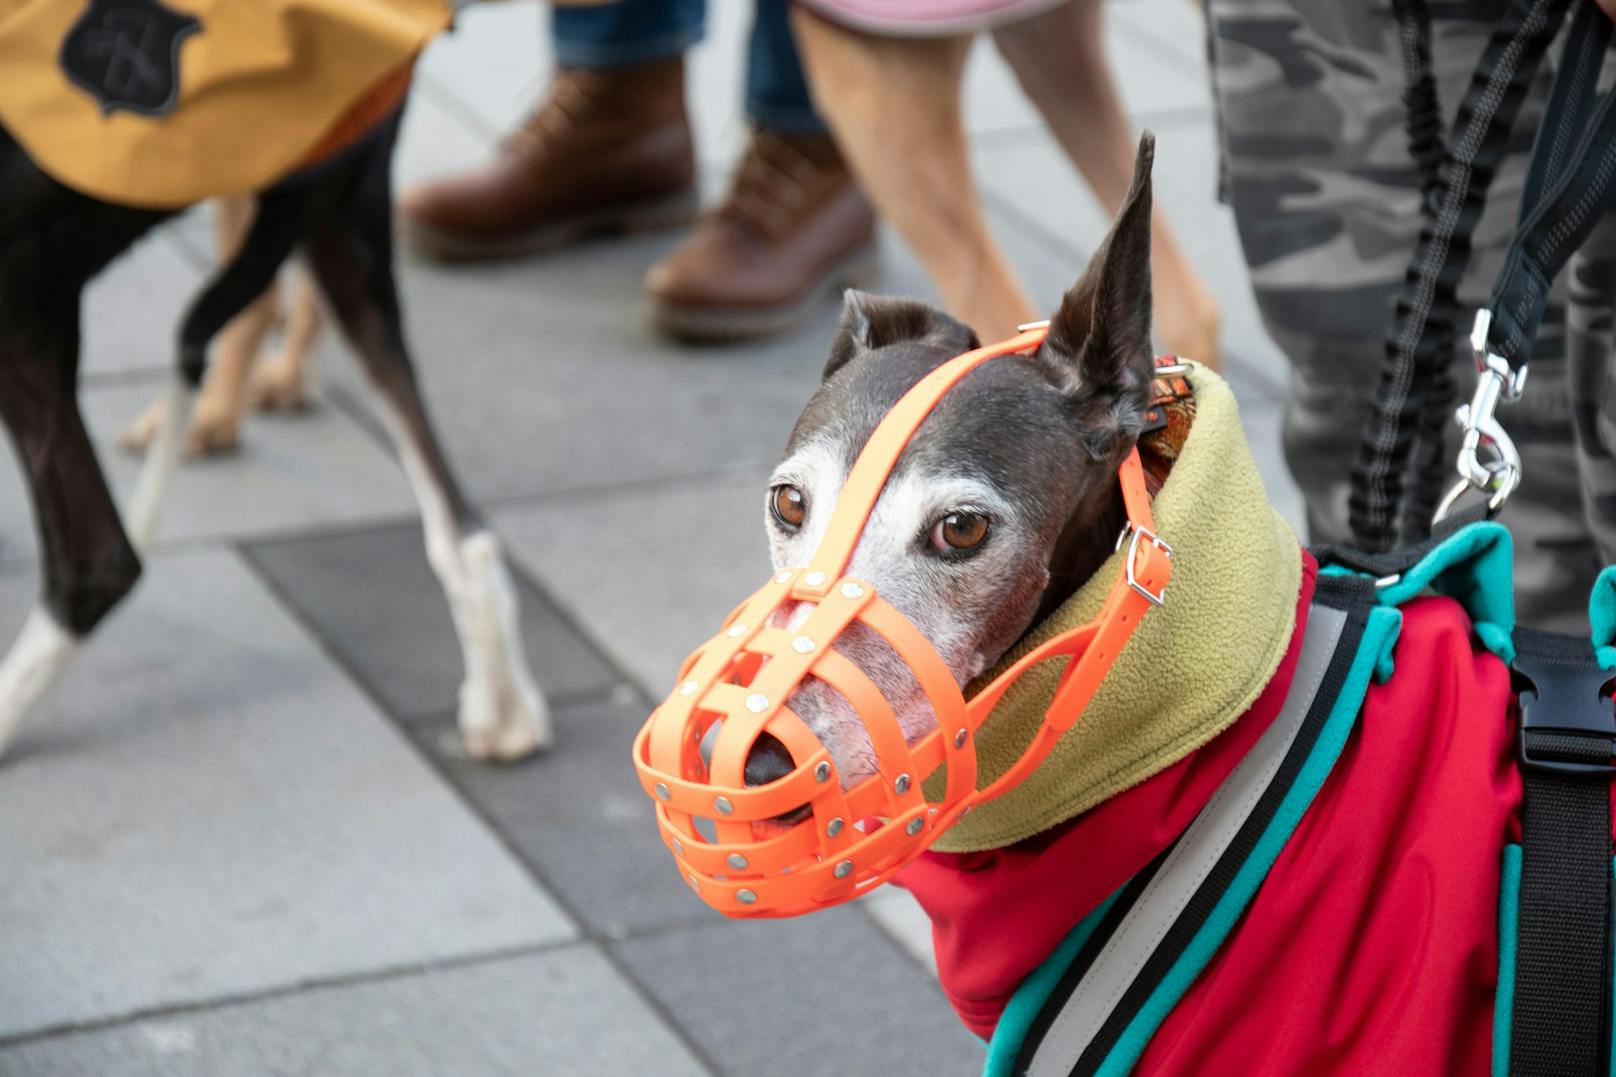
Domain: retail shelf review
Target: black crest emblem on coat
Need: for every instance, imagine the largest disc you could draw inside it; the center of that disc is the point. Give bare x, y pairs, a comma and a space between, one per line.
126, 54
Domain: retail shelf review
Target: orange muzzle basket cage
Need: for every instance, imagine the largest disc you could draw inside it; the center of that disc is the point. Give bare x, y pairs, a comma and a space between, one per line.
743, 678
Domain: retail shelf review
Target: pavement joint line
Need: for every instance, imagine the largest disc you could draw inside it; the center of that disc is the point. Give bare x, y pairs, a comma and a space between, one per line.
453, 103
380, 974
535, 874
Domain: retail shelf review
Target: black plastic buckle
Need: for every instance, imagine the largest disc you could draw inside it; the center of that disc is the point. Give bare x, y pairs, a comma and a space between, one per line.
1567, 717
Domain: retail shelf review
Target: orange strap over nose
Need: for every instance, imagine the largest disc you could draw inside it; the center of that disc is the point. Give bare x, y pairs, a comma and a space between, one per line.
799, 843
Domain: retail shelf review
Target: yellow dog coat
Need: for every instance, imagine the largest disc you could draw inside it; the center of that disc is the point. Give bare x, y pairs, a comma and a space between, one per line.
161, 103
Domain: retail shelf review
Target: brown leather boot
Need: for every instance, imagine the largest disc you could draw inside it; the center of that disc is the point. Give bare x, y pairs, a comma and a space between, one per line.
794, 226
609, 151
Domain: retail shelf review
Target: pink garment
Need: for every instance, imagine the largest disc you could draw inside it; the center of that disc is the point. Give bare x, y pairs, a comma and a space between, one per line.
926, 18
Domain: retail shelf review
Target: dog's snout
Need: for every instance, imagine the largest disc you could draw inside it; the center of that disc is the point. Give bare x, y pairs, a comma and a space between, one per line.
767, 761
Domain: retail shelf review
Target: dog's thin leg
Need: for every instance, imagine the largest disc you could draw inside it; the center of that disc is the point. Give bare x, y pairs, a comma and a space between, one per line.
86, 562
146, 504
502, 714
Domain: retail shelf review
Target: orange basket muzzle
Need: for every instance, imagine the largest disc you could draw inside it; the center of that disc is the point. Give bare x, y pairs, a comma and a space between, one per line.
743, 678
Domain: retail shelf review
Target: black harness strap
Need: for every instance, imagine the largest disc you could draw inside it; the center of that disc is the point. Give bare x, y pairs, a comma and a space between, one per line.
1561, 1015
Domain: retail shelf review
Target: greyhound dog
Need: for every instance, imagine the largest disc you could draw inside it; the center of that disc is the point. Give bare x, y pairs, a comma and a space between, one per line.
53, 240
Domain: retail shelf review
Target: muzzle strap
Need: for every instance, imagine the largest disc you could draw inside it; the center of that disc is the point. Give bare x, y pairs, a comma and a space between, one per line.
803, 840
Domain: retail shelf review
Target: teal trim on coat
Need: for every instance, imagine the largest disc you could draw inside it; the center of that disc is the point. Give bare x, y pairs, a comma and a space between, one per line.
1602, 617
1201, 949
1011, 1031
1509, 901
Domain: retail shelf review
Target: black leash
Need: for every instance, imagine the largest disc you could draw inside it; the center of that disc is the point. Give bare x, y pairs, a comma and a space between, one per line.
1415, 389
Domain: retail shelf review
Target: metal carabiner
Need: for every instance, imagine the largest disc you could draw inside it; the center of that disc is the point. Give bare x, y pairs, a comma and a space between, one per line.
1497, 382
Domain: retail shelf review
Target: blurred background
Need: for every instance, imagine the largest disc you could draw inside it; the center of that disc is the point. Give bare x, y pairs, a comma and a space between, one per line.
235, 840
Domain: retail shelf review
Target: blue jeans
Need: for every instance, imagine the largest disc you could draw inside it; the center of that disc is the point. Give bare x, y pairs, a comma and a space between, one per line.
637, 31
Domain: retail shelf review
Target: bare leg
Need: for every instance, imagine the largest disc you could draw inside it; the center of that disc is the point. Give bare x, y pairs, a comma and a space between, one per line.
280, 382
894, 104
1059, 56
502, 714
216, 424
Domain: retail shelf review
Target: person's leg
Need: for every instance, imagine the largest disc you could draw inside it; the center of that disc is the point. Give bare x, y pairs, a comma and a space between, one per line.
626, 32
608, 150
777, 96
794, 227
1060, 58
894, 105
1327, 202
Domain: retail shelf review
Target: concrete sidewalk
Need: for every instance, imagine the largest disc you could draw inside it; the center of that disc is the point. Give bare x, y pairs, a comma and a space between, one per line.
232, 842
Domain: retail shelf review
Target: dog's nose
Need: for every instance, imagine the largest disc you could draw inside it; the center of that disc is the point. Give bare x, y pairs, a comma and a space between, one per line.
767, 760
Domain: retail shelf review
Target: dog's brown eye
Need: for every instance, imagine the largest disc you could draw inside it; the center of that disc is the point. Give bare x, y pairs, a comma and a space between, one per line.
960, 531
789, 506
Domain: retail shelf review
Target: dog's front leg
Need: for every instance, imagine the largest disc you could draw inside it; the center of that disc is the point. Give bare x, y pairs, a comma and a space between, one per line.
502, 714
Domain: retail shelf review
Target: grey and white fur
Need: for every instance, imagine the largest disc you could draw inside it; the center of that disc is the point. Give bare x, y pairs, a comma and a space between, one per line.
1027, 447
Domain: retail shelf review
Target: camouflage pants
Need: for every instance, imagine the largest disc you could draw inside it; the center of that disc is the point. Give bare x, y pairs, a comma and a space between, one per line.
1326, 199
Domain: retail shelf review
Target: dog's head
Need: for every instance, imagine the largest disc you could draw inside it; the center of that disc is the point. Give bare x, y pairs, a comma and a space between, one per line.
1005, 500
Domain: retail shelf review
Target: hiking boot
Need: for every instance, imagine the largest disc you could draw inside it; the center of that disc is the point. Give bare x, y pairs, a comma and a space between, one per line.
608, 152
793, 227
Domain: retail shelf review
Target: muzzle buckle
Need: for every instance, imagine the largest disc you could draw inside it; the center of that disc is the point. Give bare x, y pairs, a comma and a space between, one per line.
1129, 567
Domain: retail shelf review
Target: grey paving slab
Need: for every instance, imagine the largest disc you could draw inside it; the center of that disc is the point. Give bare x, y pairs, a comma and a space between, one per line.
205, 807
493, 62
562, 1012
131, 312
1036, 181
374, 601
577, 815
316, 469
821, 994
1173, 27
649, 573
904, 921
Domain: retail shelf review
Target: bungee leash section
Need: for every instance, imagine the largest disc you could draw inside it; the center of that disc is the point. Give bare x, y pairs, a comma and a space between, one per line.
1573, 165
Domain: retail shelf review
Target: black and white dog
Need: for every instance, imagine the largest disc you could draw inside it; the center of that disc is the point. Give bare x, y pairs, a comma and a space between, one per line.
53, 240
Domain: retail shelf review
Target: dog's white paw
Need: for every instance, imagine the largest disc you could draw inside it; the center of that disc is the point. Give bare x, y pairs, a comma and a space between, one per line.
278, 384
503, 716
502, 726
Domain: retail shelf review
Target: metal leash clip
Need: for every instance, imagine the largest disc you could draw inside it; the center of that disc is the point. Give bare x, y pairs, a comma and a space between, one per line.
1499, 473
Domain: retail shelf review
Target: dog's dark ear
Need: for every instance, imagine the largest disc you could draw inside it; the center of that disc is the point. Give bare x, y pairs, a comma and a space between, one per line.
875, 321
1099, 341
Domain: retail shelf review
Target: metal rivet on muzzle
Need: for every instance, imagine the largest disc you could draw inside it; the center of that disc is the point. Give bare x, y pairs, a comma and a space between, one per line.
757, 703
959, 738
736, 631
902, 784
914, 826
822, 772
852, 590
689, 687
662, 791
736, 861
694, 883
814, 579
745, 897
784, 577
678, 847
723, 805
834, 827
843, 870
802, 645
